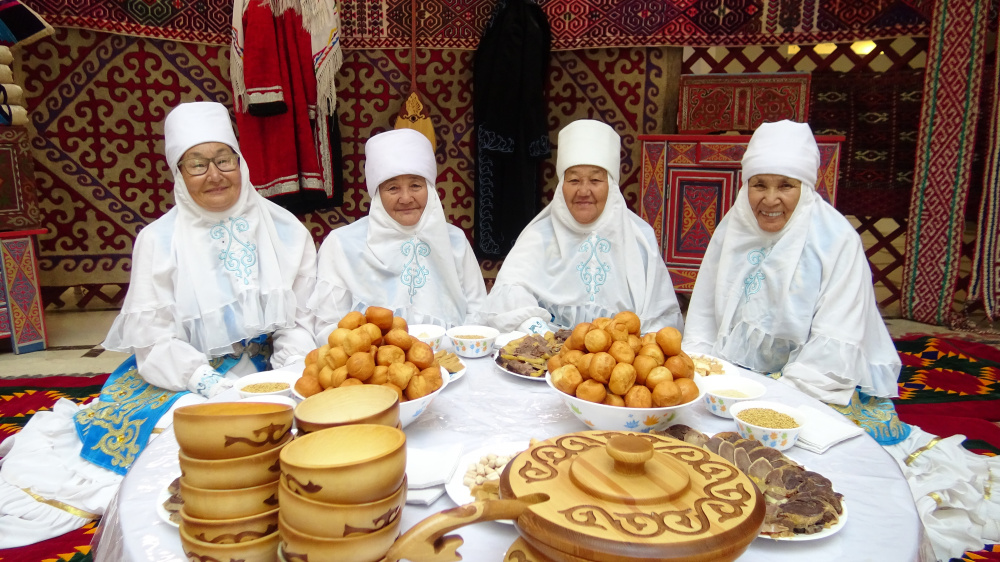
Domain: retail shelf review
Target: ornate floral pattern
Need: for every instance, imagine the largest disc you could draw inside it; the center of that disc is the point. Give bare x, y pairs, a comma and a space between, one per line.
241, 259
594, 271
414, 275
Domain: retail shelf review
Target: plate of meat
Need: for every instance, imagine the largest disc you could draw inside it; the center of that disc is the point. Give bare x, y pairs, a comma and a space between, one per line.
526, 357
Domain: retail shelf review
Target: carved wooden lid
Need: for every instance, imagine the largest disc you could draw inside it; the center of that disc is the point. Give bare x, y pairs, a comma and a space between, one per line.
632, 496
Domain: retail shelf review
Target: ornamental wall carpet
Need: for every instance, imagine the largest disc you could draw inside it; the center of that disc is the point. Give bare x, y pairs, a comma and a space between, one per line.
381, 24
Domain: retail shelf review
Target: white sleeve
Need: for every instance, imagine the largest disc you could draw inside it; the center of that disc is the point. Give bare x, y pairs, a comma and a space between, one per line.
293, 343
473, 285
330, 300
169, 363
508, 306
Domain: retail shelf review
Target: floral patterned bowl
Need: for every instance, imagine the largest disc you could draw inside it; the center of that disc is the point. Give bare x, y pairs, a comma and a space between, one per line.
429, 334
779, 439
621, 418
722, 392
473, 341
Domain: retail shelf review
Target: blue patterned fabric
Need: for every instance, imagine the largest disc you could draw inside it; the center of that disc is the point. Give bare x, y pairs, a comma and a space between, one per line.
414, 274
116, 427
594, 271
242, 259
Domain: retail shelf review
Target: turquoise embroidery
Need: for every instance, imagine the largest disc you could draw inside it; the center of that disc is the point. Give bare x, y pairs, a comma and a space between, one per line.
414, 273
753, 281
242, 259
593, 271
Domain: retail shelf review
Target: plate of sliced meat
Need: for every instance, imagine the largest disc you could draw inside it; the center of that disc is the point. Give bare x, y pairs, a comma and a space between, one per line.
526, 357
802, 504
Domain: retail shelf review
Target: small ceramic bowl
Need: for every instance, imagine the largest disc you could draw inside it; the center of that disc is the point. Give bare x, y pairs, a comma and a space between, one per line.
229, 504
410, 410
264, 549
226, 430
363, 403
778, 438
241, 472
621, 418
333, 520
346, 464
365, 547
722, 392
255, 385
473, 341
220, 531
428, 333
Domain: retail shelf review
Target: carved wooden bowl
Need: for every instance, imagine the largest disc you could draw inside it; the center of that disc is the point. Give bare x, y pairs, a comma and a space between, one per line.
226, 430
334, 520
364, 403
241, 472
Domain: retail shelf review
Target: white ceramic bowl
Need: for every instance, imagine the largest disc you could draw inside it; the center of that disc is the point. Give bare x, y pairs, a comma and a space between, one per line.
779, 439
428, 333
286, 377
411, 409
717, 385
621, 418
473, 347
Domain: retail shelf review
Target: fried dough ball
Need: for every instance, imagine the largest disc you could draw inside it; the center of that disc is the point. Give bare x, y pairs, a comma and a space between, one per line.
399, 323
643, 365
613, 400
380, 376
571, 357
635, 342
687, 361
669, 340
580, 332
591, 391
311, 356
639, 397
381, 317
420, 354
336, 357
311, 371
653, 351
389, 354
657, 375
617, 330
350, 381
622, 379
401, 373
325, 376
358, 340
399, 391
583, 365
307, 386
677, 367
399, 338
361, 366
374, 333
321, 355
622, 352
554, 363
423, 383
597, 340
689, 390
600, 322
648, 338
666, 394
352, 320
601, 367
573, 343
331, 378
630, 320
566, 379
336, 337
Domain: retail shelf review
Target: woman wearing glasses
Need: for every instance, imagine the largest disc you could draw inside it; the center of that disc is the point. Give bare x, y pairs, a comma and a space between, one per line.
218, 290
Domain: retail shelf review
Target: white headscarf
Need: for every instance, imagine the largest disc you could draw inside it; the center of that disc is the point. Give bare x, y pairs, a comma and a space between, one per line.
412, 269
217, 277
577, 272
761, 297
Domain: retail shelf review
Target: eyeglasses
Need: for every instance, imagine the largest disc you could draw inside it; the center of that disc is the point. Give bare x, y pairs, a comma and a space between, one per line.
199, 166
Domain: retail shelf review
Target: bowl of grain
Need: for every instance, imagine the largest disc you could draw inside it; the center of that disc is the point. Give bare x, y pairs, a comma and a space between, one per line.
428, 333
722, 392
772, 423
267, 383
473, 341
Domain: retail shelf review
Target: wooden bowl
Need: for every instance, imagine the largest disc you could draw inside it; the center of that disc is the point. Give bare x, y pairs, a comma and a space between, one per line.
224, 531
332, 520
359, 404
368, 547
264, 549
226, 430
346, 464
241, 472
229, 504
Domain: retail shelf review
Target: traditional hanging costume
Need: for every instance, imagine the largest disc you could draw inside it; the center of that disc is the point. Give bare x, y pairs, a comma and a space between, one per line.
563, 272
800, 302
213, 296
426, 273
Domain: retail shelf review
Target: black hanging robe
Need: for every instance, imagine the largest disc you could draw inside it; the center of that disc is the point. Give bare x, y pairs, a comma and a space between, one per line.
509, 76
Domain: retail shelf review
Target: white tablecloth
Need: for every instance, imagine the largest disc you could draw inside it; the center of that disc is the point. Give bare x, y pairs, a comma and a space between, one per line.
487, 406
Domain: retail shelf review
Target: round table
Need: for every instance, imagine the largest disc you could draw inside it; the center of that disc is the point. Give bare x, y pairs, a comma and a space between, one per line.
487, 406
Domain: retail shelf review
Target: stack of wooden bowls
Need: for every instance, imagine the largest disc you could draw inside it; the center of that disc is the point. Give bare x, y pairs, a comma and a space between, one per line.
342, 493
229, 478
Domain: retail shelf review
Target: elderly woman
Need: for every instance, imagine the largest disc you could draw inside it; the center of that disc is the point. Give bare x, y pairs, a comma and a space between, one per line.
404, 255
217, 283
785, 288
586, 255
